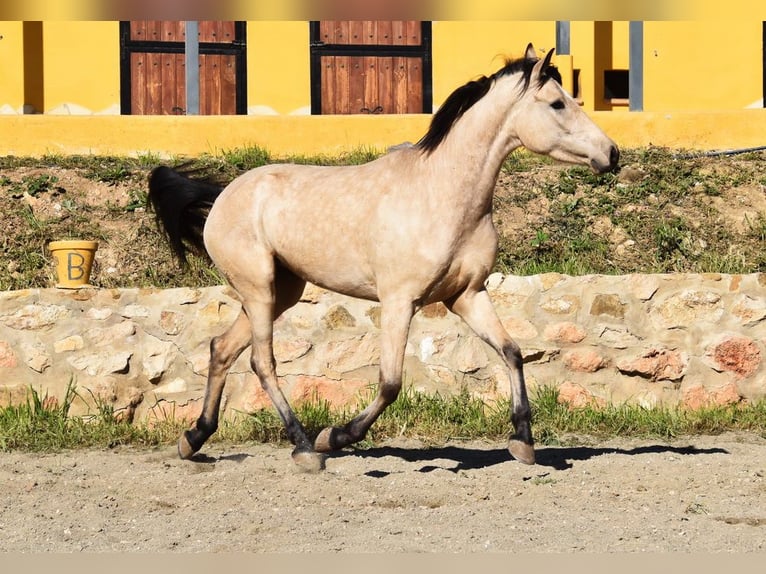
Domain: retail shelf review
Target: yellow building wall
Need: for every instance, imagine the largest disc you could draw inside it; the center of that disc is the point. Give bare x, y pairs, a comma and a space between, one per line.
278, 78
465, 50
703, 64
81, 64
11, 67
73, 67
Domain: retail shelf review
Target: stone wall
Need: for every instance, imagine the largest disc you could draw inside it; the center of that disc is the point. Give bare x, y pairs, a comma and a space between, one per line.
646, 339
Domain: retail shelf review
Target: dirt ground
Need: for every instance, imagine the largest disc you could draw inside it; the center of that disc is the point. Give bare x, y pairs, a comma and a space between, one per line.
695, 494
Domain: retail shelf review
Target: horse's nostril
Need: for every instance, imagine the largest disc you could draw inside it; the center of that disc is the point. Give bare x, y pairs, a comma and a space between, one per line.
614, 156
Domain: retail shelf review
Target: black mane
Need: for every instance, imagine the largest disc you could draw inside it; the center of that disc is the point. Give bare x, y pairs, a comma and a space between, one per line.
466, 96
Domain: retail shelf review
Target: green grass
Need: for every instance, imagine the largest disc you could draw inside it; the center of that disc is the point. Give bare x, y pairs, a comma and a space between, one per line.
41, 424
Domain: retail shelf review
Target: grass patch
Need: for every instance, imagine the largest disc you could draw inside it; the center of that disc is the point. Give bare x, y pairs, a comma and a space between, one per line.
43, 424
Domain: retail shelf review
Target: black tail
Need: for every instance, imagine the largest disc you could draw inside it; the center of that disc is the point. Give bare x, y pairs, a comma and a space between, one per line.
181, 204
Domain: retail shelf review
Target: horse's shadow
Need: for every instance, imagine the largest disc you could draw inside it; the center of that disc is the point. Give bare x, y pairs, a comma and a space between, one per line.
467, 458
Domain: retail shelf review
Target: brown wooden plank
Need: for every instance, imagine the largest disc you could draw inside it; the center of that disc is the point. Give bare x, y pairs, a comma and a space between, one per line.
343, 75
216, 31
356, 71
414, 37
171, 31
329, 84
153, 71
137, 83
228, 77
168, 83
355, 31
385, 85
369, 36
414, 85
385, 33
399, 94
215, 96
370, 82
398, 33
138, 30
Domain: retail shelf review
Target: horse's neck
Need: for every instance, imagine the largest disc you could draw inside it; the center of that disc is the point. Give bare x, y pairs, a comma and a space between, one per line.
473, 152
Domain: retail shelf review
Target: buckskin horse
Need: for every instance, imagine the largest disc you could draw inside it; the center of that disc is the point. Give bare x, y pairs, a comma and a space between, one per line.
410, 228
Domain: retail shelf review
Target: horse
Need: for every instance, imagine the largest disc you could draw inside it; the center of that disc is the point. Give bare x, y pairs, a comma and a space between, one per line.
407, 229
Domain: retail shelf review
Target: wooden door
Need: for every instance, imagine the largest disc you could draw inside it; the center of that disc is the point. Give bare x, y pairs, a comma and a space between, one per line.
370, 67
153, 75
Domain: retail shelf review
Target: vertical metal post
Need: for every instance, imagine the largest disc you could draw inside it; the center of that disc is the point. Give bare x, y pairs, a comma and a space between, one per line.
636, 66
192, 68
562, 37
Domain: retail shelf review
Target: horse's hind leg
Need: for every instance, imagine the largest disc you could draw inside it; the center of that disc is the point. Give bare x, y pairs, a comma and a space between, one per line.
264, 302
476, 309
395, 323
224, 350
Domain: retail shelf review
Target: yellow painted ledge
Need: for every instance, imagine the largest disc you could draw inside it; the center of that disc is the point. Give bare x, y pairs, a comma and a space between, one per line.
168, 136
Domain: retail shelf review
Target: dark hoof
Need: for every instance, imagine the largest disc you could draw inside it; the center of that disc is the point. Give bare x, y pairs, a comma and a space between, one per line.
185, 449
324, 441
308, 460
521, 451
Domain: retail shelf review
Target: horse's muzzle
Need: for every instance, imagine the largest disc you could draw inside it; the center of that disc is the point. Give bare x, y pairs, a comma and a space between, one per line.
614, 159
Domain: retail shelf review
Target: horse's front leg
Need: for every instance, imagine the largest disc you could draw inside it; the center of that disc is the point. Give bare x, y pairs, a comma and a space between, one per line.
395, 324
224, 350
476, 309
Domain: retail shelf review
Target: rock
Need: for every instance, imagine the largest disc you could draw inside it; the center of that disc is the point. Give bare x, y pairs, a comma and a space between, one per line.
286, 350
686, 308
172, 323
114, 334
72, 343
519, 328
8, 357
584, 360
494, 281
656, 365
470, 355
434, 311
608, 304
738, 355
338, 317
347, 355
36, 356
561, 305
134, 311
104, 363
564, 332
374, 315
577, 396
157, 357
697, 396
35, 317
98, 313
337, 393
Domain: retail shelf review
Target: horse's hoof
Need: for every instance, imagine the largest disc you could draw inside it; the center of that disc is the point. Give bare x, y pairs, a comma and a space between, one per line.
309, 461
185, 449
521, 451
323, 441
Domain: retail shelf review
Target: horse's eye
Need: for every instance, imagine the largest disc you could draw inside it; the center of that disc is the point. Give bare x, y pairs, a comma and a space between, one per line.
558, 105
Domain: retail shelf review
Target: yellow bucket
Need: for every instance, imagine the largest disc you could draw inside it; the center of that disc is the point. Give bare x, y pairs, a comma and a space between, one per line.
74, 261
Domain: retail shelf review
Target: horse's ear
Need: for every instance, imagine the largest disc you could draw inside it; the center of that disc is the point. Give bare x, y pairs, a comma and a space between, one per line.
542, 65
530, 53
548, 56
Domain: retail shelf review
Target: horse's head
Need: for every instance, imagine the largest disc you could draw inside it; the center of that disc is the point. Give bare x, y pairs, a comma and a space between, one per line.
550, 122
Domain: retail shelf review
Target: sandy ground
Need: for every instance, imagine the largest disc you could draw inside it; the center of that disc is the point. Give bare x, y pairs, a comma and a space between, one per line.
695, 494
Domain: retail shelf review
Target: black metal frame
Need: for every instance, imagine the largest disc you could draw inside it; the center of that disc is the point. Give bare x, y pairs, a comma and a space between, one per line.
237, 48
319, 49
763, 67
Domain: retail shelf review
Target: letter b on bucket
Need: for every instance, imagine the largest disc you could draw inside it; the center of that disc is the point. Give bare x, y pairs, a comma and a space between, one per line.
74, 261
